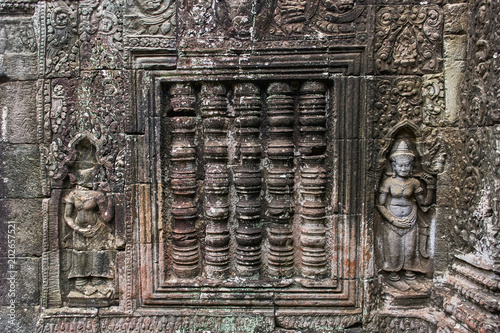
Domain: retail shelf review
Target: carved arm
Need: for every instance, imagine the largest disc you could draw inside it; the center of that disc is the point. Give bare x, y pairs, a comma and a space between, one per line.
386, 214
106, 207
68, 211
427, 199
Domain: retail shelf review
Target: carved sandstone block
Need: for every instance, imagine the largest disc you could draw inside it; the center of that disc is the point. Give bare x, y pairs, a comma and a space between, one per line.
25, 275
18, 121
20, 171
455, 18
60, 42
23, 218
408, 39
100, 32
18, 48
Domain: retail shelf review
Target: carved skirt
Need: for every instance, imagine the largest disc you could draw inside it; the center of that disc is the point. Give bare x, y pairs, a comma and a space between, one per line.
400, 250
92, 264
93, 256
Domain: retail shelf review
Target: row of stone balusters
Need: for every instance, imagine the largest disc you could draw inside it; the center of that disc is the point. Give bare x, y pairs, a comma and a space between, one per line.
248, 180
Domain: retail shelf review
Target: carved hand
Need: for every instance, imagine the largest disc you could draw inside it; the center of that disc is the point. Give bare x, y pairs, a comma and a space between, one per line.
428, 179
401, 223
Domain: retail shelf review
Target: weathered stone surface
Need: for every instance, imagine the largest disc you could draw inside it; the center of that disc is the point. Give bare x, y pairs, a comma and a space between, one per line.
455, 18
20, 170
19, 118
408, 39
21, 282
26, 224
25, 318
250, 166
455, 48
18, 48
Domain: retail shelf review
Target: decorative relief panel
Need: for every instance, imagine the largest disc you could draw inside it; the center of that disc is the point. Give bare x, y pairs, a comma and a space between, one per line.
150, 25
241, 23
408, 39
414, 101
18, 6
60, 27
433, 94
88, 242
481, 86
289, 17
406, 325
146, 18
73, 110
397, 99
84, 162
406, 194
410, 158
101, 34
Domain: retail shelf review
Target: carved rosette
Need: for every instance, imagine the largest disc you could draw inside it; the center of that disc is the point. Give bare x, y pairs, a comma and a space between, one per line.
312, 186
215, 156
409, 39
280, 179
186, 261
247, 179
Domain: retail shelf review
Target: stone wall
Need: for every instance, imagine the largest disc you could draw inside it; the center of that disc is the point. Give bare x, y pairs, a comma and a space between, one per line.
249, 166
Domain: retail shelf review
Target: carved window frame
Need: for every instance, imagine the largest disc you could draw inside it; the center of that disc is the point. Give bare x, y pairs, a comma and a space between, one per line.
341, 68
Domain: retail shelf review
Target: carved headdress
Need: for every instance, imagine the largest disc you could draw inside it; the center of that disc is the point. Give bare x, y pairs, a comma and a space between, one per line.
401, 151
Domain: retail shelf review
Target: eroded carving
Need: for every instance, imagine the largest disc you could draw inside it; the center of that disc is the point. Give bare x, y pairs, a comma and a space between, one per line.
101, 34
406, 325
155, 17
89, 214
480, 89
297, 17
397, 100
97, 107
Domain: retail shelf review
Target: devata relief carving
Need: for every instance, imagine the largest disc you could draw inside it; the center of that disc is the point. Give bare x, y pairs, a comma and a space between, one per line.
404, 201
89, 213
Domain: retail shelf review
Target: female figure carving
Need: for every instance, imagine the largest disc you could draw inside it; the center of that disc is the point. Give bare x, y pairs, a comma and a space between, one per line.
88, 212
402, 203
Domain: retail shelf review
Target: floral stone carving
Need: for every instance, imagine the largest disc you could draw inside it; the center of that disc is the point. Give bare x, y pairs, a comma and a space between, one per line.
408, 39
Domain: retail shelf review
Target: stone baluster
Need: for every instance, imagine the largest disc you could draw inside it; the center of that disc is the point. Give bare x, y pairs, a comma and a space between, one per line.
216, 201
183, 167
247, 180
280, 179
312, 187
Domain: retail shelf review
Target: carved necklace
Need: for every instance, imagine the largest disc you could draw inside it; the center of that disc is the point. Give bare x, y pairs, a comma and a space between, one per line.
403, 184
